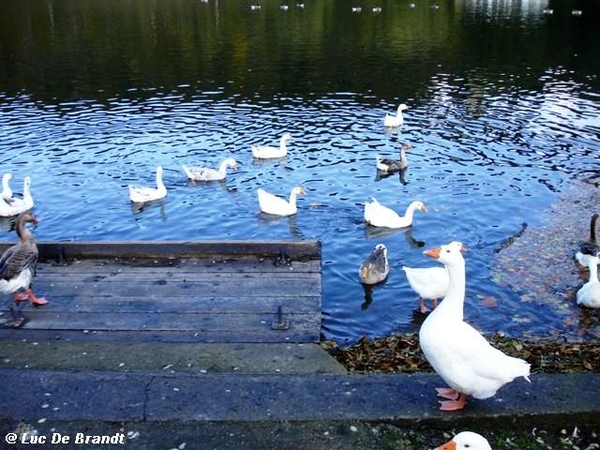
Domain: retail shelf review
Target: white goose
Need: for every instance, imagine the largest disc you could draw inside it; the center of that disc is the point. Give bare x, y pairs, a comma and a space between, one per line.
391, 121
431, 283
457, 351
589, 294
7, 192
15, 206
376, 267
139, 194
378, 215
277, 206
267, 152
466, 440
209, 174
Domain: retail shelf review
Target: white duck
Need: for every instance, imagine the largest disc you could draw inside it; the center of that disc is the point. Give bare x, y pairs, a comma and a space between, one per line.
15, 206
17, 264
589, 294
376, 267
393, 165
590, 248
378, 215
391, 121
267, 152
457, 351
277, 206
139, 194
466, 440
209, 174
7, 192
430, 283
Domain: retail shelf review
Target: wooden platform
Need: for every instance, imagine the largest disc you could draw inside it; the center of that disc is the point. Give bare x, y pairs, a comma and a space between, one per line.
208, 291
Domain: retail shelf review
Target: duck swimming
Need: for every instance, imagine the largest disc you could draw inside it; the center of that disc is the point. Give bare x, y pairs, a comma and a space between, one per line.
590, 247
139, 194
268, 152
391, 121
377, 215
376, 267
393, 165
209, 174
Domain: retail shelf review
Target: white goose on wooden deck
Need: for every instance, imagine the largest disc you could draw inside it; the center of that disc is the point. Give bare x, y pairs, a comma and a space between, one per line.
458, 352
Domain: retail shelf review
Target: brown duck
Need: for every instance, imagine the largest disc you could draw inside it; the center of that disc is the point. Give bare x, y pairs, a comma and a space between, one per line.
17, 264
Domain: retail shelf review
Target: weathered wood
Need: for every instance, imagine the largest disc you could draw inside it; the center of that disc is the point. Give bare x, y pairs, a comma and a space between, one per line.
271, 293
65, 251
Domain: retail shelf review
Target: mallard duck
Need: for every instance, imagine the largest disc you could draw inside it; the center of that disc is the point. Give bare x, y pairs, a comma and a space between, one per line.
590, 248
267, 152
378, 215
457, 351
17, 263
277, 206
589, 294
466, 440
393, 165
208, 174
15, 206
430, 283
147, 194
376, 267
391, 121
7, 192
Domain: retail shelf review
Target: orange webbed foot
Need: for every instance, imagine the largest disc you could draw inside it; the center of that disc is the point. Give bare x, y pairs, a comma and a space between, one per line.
36, 301
21, 297
448, 393
454, 405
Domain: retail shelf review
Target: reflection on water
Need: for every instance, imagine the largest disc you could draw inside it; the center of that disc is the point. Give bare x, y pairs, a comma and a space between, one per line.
503, 98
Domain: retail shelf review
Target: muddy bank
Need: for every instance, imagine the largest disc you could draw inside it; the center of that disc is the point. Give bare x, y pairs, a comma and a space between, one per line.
539, 263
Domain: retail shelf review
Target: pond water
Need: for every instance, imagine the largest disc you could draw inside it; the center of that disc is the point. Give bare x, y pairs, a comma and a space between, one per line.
504, 103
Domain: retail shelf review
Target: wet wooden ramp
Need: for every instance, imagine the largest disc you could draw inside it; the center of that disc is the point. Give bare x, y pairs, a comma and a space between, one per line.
207, 291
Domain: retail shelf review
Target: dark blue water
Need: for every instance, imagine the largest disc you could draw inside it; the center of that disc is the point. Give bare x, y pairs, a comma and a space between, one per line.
504, 105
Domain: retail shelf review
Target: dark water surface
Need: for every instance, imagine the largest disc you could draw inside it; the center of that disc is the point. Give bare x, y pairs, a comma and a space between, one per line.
504, 108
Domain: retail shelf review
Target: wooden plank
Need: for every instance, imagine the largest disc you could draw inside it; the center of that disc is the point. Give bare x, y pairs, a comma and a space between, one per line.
245, 304
64, 251
44, 319
192, 265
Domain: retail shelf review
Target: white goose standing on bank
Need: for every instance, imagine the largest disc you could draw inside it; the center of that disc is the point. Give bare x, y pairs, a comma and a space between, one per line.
268, 152
391, 121
277, 206
209, 174
466, 440
589, 294
377, 215
139, 194
458, 352
15, 206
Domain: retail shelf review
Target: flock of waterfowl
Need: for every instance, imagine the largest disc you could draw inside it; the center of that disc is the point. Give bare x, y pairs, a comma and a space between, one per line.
457, 351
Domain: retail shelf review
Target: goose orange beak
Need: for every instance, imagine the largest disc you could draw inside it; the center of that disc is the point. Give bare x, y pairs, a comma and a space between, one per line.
447, 446
433, 252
